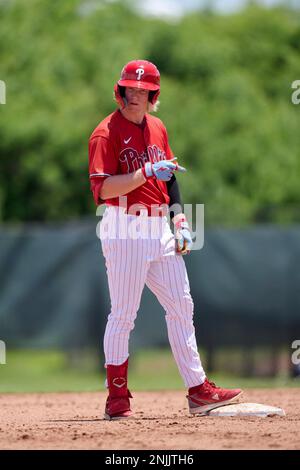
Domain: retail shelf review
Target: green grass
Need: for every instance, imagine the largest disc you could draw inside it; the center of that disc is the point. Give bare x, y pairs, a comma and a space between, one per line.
54, 371
44, 371
156, 369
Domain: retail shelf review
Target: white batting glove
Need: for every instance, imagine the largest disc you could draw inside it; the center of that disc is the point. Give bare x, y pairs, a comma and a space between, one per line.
183, 237
162, 170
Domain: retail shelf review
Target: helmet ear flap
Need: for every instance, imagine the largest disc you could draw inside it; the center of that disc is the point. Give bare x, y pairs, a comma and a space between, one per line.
119, 92
153, 96
122, 91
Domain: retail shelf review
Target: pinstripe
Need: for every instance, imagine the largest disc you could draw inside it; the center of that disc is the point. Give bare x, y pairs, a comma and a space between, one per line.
112, 319
132, 263
122, 289
158, 290
180, 320
126, 281
112, 324
129, 301
112, 272
107, 244
188, 330
169, 282
177, 343
111, 255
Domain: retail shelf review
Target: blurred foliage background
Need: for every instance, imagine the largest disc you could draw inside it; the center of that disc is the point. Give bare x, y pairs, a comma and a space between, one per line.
225, 99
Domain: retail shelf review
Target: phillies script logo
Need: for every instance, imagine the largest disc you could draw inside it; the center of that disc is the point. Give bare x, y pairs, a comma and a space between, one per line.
131, 160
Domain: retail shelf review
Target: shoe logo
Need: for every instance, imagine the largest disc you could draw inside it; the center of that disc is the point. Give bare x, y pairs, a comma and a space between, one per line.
215, 396
128, 140
119, 382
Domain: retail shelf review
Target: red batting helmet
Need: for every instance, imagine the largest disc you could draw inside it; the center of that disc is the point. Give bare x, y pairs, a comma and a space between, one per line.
138, 74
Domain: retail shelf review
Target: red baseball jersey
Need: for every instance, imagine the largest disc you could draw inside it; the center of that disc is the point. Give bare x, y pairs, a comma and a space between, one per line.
119, 146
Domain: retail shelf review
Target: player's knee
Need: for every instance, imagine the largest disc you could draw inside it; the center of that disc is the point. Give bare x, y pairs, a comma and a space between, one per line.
182, 310
120, 323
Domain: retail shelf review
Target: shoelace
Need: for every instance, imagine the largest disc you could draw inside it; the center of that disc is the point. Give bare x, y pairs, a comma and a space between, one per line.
212, 384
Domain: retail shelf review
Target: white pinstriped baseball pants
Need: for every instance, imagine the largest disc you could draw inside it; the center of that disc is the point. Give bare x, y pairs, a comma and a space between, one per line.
131, 263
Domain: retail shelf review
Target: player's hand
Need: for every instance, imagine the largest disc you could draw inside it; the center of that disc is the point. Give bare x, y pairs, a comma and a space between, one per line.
183, 237
162, 170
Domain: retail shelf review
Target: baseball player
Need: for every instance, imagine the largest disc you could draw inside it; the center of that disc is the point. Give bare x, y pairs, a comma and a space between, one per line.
132, 170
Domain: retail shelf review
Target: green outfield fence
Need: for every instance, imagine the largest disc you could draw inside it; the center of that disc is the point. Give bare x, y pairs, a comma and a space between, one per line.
245, 285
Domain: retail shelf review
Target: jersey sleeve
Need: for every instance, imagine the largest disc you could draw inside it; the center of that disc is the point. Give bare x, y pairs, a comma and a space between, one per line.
102, 163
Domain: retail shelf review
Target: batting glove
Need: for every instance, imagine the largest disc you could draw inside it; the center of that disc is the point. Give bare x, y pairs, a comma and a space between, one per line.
162, 170
183, 235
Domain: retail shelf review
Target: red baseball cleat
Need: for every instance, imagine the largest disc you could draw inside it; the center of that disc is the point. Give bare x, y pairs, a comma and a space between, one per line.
117, 403
207, 396
118, 407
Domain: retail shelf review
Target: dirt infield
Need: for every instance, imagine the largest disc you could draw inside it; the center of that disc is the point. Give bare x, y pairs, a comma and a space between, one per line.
161, 421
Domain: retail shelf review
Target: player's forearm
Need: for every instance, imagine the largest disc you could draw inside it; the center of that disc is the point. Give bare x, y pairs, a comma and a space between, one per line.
175, 204
118, 185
